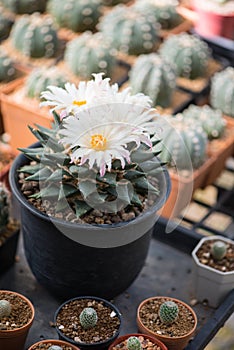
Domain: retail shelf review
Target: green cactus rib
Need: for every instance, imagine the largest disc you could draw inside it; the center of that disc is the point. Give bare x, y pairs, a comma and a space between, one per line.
35, 36
189, 54
168, 312
133, 343
95, 55
88, 318
7, 69
129, 31
154, 77
78, 16
222, 91
4, 207
25, 6
218, 250
5, 308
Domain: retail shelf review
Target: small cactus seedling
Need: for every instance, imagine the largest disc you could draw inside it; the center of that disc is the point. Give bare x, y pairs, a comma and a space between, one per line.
133, 343
7, 69
25, 6
218, 250
5, 308
55, 347
154, 77
129, 31
189, 53
168, 312
88, 318
4, 208
78, 16
222, 91
35, 36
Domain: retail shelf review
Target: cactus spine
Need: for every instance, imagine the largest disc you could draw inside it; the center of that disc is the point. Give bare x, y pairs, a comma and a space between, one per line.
7, 69
168, 312
133, 343
210, 119
154, 77
189, 53
78, 16
35, 36
129, 31
5, 308
88, 318
95, 55
222, 91
218, 250
4, 208
25, 6
39, 79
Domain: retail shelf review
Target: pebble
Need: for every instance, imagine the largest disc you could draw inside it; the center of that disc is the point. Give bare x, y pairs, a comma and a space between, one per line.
193, 302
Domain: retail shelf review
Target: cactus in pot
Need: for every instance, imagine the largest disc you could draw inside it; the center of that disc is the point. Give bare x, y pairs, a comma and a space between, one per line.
168, 312
7, 69
40, 78
88, 318
222, 91
164, 11
25, 6
130, 32
189, 54
218, 250
78, 16
35, 36
5, 308
211, 120
95, 55
133, 343
154, 77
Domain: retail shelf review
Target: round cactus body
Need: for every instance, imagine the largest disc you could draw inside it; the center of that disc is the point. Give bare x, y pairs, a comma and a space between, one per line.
35, 36
95, 55
88, 318
164, 11
211, 120
4, 207
183, 144
39, 79
168, 312
129, 31
55, 347
154, 77
189, 54
5, 308
25, 6
222, 91
7, 69
133, 343
78, 16
218, 250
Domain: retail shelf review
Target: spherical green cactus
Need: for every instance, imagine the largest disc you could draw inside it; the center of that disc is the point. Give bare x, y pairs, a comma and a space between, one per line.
76, 15
55, 347
6, 23
183, 144
95, 55
133, 343
129, 31
4, 207
7, 69
25, 6
164, 11
189, 53
88, 318
211, 120
5, 308
168, 312
222, 91
39, 79
35, 36
154, 77
218, 250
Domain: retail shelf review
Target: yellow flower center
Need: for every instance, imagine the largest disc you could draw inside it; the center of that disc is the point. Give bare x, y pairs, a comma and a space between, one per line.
79, 103
98, 142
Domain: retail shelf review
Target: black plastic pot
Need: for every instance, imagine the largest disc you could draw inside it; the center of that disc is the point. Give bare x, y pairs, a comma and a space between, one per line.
68, 268
8, 251
91, 346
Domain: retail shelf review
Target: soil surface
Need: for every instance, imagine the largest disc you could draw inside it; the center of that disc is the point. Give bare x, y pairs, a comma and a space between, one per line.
68, 321
225, 265
46, 346
150, 319
146, 344
20, 315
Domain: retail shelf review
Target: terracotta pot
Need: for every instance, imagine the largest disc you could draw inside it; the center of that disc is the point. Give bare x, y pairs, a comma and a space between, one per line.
15, 339
53, 342
124, 337
173, 343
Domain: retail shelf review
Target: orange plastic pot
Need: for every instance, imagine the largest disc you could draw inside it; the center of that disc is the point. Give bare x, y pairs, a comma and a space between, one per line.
15, 339
54, 342
124, 337
172, 343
